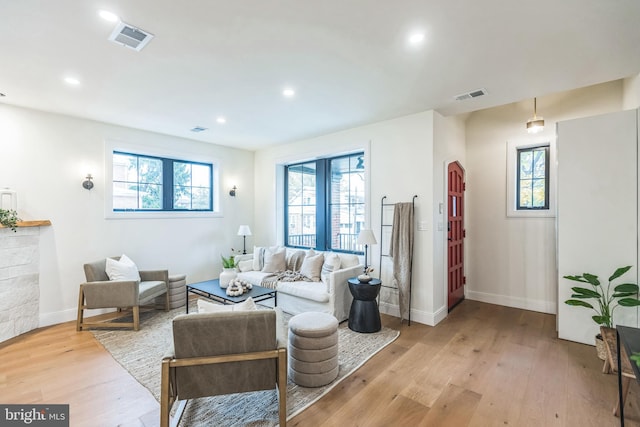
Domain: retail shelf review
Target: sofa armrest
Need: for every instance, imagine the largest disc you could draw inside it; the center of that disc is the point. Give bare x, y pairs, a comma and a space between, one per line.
109, 294
340, 277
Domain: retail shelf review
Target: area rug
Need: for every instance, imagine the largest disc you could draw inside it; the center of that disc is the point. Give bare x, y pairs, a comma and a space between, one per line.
141, 352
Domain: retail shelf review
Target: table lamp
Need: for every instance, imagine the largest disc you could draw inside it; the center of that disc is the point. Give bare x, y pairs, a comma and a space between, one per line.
244, 231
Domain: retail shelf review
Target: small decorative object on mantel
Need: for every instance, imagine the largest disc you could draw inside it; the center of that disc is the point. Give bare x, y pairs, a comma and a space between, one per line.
364, 277
238, 287
9, 218
8, 199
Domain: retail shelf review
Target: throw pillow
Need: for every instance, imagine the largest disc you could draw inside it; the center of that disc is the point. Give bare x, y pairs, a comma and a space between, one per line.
212, 307
274, 260
295, 261
312, 266
331, 263
124, 269
246, 265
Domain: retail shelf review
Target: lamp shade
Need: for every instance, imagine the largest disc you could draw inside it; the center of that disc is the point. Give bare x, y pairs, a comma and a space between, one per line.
366, 237
244, 230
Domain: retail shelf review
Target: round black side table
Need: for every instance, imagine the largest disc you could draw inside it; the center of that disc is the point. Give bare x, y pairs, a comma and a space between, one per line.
364, 315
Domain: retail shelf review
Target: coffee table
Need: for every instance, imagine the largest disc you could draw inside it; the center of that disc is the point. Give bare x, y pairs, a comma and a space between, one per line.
211, 289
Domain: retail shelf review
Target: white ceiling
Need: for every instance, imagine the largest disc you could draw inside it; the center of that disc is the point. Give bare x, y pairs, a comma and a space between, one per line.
348, 60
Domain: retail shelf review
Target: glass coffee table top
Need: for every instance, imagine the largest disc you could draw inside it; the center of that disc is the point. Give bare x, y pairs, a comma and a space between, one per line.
211, 289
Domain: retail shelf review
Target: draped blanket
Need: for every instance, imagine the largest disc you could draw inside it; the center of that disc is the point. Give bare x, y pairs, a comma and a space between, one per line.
271, 281
401, 250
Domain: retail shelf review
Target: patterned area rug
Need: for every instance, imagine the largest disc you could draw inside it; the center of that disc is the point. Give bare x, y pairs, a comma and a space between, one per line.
140, 353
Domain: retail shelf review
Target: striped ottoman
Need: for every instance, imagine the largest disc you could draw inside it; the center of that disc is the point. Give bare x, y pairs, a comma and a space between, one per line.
313, 349
177, 292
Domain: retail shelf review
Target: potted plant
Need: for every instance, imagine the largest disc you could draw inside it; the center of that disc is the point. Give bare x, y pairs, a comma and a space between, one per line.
229, 271
606, 299
9, 218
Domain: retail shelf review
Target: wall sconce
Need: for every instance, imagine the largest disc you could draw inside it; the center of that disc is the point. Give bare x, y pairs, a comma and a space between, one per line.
232, 192
87, 184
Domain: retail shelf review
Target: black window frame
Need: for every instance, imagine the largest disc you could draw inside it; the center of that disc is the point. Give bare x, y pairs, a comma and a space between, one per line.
168, 183
547, 175
323, 202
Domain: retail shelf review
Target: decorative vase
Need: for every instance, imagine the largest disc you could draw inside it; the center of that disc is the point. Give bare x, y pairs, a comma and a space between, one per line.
227, 275
364, 278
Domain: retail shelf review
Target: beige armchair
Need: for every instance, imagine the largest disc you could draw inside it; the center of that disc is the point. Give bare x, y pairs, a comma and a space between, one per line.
99, 292
223, 353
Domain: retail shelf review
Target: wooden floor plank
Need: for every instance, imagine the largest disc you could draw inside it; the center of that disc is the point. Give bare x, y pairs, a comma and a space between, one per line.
484, 365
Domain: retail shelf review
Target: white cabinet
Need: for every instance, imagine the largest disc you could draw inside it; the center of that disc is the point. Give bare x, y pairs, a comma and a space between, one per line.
597, 223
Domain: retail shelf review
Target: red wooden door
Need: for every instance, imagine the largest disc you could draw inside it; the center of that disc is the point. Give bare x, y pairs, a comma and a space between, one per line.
455, 196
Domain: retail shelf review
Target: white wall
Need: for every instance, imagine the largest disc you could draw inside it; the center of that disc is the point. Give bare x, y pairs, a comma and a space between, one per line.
631, 92
399, 155
448, 147
45, 157
512, 261
598, 217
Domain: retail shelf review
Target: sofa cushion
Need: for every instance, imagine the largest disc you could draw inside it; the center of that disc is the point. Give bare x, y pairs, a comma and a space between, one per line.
315, 291
274, 260
245, 265
312, 266
348, 260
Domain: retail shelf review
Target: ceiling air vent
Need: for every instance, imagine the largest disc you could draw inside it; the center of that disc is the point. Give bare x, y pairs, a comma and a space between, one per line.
473, 94
130, 36
198, 129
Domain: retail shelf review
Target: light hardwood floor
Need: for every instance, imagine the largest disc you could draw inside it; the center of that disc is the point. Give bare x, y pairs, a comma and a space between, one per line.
485, 365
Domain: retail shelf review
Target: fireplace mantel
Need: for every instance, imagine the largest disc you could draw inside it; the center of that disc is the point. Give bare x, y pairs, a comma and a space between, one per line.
35, 223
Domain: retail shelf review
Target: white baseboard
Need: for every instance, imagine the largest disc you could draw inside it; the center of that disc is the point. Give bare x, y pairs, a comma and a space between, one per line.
515, 302
419, 316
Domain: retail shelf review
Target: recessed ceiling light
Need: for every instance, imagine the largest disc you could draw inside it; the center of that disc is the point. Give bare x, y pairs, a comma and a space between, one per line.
221, 120
416, 38
108, 16
72, 81
288, 93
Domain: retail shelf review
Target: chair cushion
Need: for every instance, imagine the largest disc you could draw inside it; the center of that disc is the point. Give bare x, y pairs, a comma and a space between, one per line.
151, 289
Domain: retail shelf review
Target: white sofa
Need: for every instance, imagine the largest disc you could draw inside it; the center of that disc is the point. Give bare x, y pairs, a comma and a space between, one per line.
329, 295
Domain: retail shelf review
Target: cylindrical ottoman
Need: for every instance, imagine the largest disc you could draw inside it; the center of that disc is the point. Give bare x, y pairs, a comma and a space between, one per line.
177, 292
313, 349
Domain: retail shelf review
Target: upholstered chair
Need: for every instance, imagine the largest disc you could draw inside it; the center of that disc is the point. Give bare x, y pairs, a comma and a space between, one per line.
100, 292
223, 353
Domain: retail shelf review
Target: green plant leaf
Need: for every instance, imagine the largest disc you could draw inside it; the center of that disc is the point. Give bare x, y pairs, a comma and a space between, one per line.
591, 278
619, 272
602, 320
581, 296
588, 293
636, 358
627, 287
578, 303
623, 294
576, 278
629, 302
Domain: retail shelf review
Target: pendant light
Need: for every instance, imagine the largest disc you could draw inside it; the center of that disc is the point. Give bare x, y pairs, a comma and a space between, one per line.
535, 124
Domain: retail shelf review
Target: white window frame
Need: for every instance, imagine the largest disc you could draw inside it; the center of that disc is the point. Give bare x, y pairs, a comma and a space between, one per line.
512, 176
113, 145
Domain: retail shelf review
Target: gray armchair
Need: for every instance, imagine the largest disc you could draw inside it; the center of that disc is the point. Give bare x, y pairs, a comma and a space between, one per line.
100, 292
224, 353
